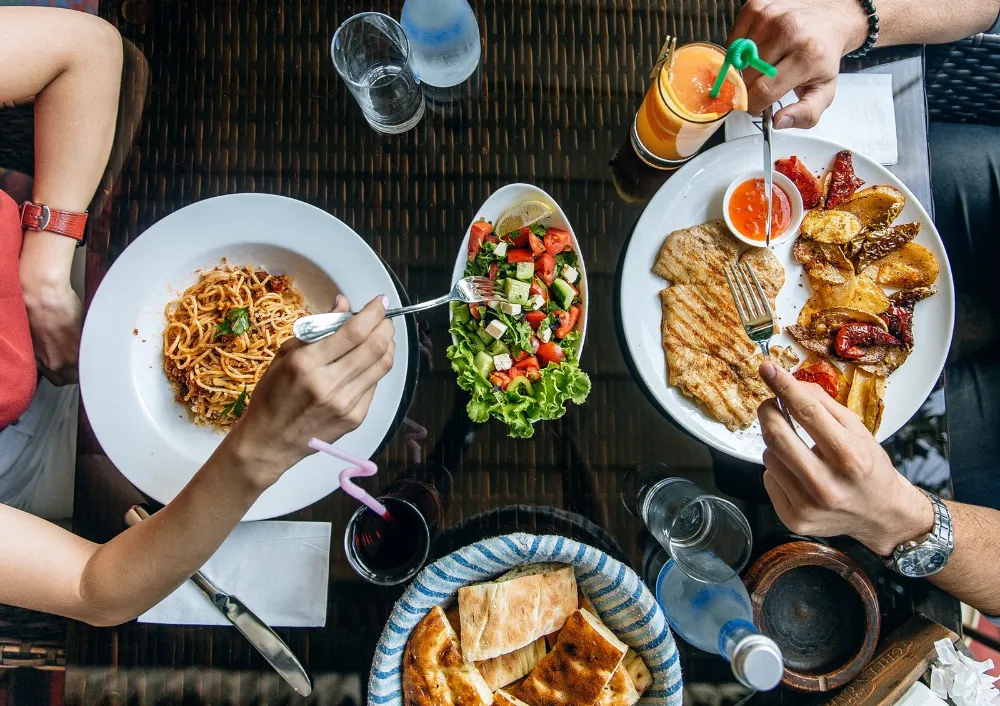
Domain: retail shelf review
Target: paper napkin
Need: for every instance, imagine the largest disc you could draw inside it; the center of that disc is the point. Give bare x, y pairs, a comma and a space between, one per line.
861, 117
280, 570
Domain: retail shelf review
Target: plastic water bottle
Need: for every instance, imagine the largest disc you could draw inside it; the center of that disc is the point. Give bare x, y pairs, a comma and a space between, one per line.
444, 40
716, 618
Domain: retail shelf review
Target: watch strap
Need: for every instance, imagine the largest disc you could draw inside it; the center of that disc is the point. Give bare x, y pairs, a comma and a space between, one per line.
941, 535
36, 216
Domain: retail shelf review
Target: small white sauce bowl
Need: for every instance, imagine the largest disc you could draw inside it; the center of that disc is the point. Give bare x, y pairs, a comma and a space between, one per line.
782, 182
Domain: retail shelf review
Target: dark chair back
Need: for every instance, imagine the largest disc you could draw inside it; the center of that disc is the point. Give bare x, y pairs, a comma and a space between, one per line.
963, 81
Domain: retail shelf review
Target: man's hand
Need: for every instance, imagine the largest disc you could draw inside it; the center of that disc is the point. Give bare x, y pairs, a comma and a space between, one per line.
805, 40
321, 390
845, 484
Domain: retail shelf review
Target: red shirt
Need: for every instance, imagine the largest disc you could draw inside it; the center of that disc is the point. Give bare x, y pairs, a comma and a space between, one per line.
18, 373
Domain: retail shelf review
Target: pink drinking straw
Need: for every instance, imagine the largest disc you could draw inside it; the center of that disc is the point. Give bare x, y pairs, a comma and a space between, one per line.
362, 467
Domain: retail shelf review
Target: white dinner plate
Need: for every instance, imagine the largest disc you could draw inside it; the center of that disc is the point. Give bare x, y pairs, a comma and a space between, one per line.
146, 433
694, 195
511, 195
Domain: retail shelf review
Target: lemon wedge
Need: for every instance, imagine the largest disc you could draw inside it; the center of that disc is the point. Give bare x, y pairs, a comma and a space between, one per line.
522, 215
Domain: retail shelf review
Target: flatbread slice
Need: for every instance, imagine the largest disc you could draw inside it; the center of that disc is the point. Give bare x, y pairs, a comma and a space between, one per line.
434, 671
506, 669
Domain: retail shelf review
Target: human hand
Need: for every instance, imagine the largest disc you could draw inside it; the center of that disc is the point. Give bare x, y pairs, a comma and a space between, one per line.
55, 320
845, 484
321, 390
805, 40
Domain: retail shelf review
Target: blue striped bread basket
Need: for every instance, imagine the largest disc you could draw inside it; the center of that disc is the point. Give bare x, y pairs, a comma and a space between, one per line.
625, 604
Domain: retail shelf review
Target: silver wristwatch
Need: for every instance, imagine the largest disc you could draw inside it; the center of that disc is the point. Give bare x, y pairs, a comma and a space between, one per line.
928, 554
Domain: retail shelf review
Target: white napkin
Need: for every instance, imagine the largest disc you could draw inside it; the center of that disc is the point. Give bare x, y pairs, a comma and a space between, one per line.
280, 570
862, 116
920, 695
962, 678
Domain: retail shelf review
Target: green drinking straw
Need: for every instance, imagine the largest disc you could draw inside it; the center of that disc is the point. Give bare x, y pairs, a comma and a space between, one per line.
742, 54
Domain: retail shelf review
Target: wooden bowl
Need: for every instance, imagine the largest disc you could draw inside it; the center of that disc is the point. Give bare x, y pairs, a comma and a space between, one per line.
821, 610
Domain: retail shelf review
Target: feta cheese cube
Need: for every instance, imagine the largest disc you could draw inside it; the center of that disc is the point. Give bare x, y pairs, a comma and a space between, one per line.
496, 328
501, 249
495, 304
536, 302
508, 308
503, 361
570, 273
545, 334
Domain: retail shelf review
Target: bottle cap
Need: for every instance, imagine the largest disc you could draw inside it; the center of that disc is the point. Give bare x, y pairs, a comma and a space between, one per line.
757, 663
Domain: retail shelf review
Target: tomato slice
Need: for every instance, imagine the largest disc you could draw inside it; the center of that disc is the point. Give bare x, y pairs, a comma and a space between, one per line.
545, 268
500, 379
567, 321
532, 374
474, 310
477, 235
494, 270
538, 288
519, 238
527, 361
557, 240
537, 247
535, 319
515, 255
551, 354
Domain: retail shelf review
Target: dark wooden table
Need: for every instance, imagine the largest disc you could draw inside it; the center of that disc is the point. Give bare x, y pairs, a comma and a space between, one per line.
242, 97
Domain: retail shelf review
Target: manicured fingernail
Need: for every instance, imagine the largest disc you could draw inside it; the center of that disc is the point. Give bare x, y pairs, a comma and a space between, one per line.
768, 372
385, 302
786, 122
336, 302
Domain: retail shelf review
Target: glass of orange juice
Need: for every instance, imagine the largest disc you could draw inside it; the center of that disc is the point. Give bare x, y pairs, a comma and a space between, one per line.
677, 115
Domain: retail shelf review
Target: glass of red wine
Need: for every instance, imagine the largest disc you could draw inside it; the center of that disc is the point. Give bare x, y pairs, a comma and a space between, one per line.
389, 550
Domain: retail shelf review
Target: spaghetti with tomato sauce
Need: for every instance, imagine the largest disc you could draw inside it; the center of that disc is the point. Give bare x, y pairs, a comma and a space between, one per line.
221, 335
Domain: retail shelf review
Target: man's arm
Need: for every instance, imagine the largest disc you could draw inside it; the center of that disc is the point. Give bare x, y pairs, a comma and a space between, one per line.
806, 39
74, 77
846, 485
323, 390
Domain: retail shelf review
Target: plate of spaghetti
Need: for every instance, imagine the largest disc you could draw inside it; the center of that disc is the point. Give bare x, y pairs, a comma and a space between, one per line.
187, 320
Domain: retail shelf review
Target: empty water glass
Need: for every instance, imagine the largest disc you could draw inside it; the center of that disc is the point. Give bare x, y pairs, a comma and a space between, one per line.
371, 53
706, 536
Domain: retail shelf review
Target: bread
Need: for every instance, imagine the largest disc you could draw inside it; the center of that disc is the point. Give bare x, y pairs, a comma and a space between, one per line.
576, 671
502, 698
620, 691
583, 603
504, 669
514, 611
637, 671
434, 671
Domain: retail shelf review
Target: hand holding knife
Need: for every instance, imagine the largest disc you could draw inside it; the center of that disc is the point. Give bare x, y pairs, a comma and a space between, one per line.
267, 642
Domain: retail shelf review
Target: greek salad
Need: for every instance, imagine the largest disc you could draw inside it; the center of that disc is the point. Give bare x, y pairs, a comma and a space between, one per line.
517, 357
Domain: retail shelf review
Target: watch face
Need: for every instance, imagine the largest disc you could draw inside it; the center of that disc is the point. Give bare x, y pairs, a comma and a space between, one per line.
921, 561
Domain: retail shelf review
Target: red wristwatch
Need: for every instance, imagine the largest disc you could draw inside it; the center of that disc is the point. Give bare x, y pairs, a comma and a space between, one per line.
36, 216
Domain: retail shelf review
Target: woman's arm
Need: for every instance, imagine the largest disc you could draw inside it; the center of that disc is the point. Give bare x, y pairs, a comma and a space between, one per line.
321, 390
70, 63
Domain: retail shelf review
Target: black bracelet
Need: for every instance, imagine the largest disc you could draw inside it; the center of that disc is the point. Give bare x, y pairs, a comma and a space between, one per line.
869, 8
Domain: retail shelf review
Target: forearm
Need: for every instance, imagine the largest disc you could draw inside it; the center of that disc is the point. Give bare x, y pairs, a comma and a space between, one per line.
972, 574
74, 78
933, 21
144, 564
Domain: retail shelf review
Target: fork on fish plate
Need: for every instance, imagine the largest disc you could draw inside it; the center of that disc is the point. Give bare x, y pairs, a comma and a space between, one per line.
754, 310
470, 290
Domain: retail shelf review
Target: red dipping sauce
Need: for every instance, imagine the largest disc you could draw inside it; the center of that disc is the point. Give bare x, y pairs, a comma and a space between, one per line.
748, 209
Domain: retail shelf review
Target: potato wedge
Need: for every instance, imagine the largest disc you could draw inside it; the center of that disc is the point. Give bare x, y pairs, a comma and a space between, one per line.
909, 267
866, 398
826, 296
868, 296
875, 206
837, 227
829, 320
825, 262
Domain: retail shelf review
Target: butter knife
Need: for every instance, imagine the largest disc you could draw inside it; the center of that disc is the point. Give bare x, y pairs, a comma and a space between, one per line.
767, 118
267, 642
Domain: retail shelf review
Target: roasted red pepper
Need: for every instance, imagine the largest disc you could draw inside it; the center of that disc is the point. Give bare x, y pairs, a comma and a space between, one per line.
843, 183
805, 181
852, 337
823, 374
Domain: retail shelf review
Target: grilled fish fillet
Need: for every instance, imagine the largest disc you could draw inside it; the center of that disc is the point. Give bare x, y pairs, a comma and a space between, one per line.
709, 356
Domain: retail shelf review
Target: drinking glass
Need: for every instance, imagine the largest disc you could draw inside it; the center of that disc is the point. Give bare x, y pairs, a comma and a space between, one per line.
677, 116
706, 536
371, 53
390, 552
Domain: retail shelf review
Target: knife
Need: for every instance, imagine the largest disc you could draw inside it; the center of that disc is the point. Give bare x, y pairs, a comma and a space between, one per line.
767, 120
267, 642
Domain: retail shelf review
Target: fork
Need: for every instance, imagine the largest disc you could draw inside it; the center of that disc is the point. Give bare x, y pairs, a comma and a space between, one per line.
470, 290
754, 310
